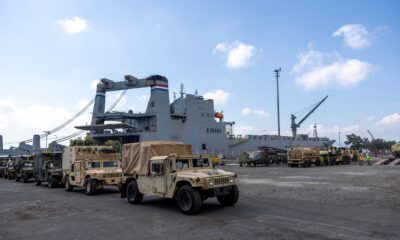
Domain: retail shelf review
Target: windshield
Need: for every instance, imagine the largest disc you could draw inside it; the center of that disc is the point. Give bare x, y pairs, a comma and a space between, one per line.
93, 164
201, 162
182, 163
10, 164
110, 164
28, 164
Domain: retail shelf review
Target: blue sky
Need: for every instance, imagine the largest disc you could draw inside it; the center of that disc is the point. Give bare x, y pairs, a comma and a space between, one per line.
51, 52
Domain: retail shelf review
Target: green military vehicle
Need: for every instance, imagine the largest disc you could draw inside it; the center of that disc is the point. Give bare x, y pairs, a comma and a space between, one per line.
303, 156
170, 170
24, 168
91, 168
48, 168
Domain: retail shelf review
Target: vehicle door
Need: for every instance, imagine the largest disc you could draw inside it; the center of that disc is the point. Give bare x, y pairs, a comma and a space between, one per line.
157, 170
78, 172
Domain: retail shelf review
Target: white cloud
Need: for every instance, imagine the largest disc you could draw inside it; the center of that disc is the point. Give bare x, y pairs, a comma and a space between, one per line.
390, 119
93, 84
315, 70
219, 96
73, 25
244, 130
357, 36
23, 121
238, 54
260, 113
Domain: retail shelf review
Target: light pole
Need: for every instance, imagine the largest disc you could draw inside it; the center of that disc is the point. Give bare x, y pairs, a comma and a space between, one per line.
340, 144
277, 74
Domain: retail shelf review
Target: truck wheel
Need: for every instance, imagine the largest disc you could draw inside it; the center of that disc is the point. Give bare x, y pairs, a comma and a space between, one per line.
37, 182
133, 194
25, 177
16, 178
90, 187
188, 199
230, 199
51, 182
68, 186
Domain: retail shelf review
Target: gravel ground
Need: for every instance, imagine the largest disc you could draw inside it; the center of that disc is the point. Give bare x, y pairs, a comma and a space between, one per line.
339, 202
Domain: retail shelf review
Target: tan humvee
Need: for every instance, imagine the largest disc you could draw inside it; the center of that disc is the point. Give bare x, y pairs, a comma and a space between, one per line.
396, 150
169, 170
91, 167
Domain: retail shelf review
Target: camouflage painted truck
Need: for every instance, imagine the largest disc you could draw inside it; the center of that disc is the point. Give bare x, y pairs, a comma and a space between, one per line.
303, 156
396, 150
170, 170
9, 171
24, 168
47, 168
91, 168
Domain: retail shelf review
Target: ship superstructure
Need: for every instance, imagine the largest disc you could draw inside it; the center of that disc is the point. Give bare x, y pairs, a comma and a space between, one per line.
189, 118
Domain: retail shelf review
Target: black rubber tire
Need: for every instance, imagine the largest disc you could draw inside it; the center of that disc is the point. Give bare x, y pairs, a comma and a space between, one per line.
25, 178
16, 178
68, 186
90, 187
51, 182
133, 194
37, 182
188, 200
230, 199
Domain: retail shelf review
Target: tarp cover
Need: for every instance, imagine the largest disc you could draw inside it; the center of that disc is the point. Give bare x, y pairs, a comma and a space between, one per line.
136, 156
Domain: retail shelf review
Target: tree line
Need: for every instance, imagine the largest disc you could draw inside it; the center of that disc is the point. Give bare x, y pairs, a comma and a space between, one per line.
356, 142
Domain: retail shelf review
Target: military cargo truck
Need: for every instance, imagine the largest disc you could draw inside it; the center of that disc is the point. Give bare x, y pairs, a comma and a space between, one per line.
303, 156
24, 168
170, 170
396, 150
3, 165
345, 155
9, 171
91, 167
47, 168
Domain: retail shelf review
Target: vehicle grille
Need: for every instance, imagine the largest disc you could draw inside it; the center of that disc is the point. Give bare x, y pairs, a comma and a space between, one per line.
112, 175
221, 180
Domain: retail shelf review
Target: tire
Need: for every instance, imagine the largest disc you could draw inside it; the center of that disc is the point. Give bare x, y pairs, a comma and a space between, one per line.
68, 186
25, 177
188, 200
51, 182
16, 178
37, 182
133, 194
230, 199
90, 187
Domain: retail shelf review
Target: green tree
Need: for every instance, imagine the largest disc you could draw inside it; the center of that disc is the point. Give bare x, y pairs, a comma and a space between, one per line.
116, 145
354, 141
87, 141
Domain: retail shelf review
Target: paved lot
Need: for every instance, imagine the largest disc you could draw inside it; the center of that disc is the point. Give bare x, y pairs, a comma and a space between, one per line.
340, 202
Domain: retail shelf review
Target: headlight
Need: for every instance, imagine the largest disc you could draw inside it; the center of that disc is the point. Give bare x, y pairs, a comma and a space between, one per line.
231, 179
210, 181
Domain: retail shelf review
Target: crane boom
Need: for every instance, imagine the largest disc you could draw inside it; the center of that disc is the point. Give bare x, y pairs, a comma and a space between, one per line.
371, 135
295, 125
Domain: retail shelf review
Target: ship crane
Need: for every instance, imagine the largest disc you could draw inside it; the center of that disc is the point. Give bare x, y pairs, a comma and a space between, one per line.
295, 125
372, 137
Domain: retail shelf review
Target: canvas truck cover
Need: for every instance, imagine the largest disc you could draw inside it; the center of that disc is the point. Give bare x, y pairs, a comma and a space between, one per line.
136, 156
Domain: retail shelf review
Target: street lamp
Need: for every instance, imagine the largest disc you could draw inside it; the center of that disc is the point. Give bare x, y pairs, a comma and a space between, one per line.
277, 74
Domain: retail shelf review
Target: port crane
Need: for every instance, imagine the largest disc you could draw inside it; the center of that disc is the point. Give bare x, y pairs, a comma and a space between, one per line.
372, 137
294, 126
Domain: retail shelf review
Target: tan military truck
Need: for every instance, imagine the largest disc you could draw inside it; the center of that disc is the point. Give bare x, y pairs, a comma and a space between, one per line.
303, 156
396, 150
91, 167
170, 170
